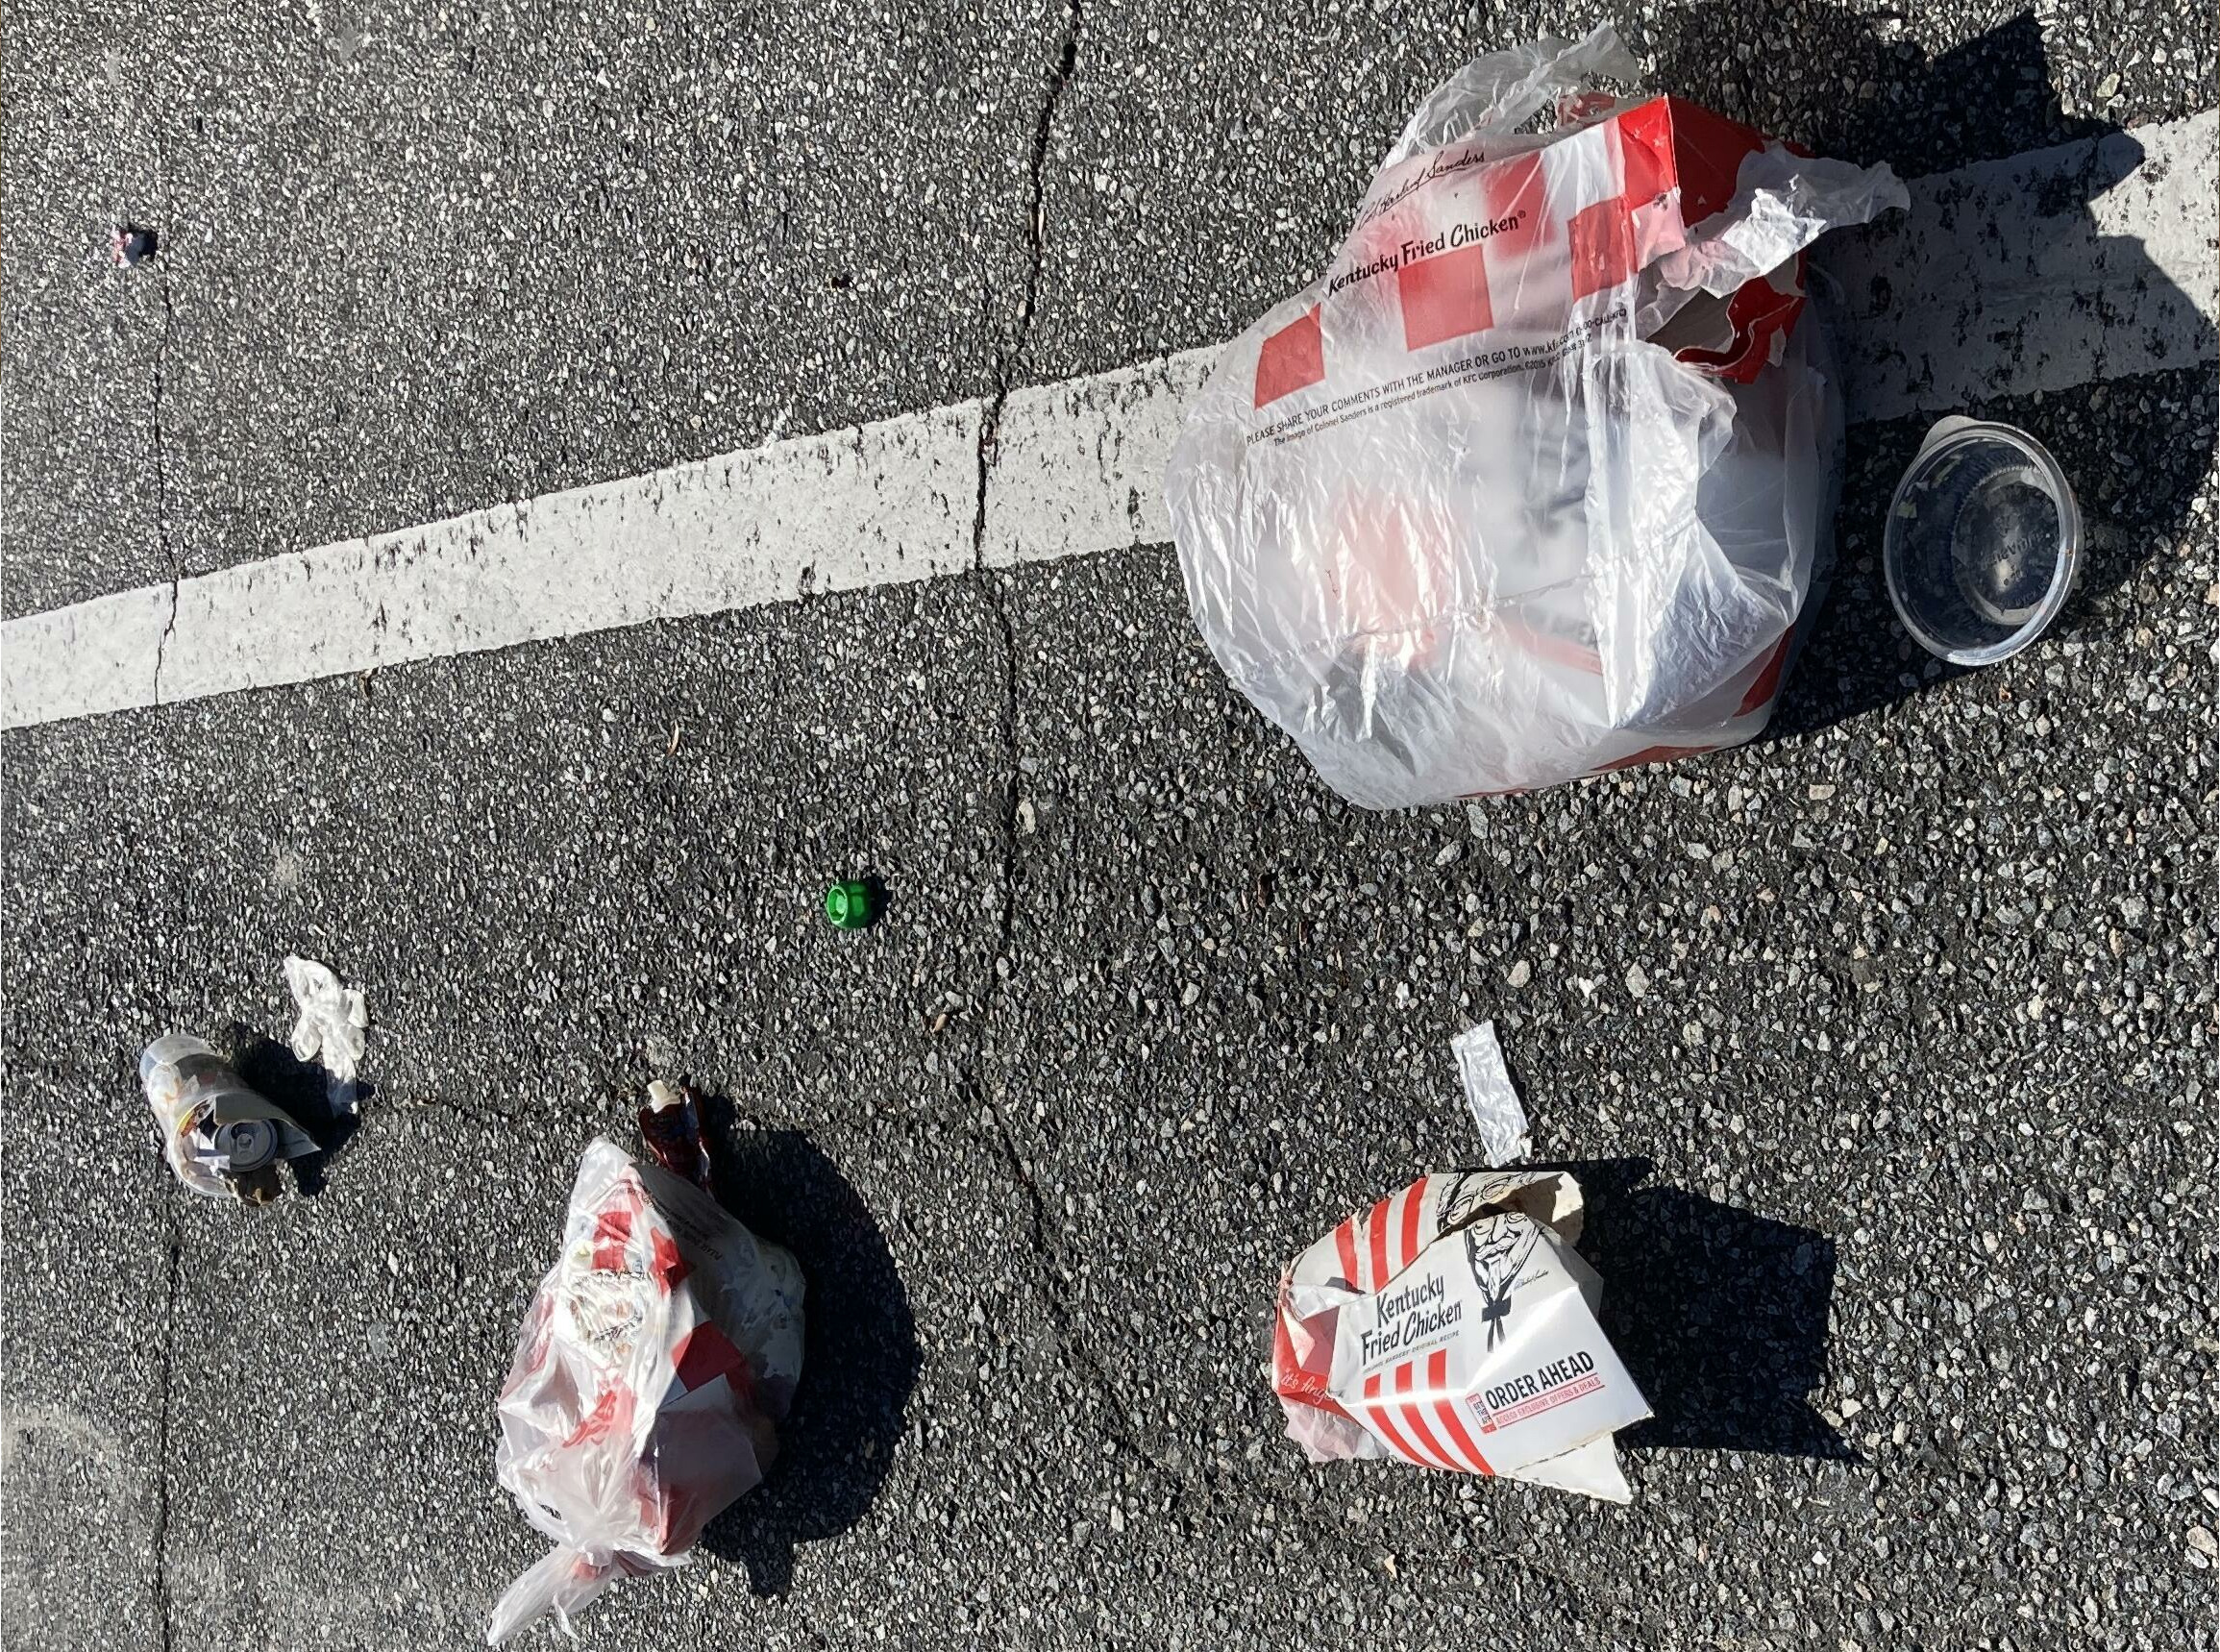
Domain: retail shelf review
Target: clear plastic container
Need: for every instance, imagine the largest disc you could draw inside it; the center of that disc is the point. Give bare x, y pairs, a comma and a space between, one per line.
1982, 543
221, 1138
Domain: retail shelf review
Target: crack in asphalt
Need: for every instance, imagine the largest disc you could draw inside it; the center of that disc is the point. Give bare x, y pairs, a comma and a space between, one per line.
1126, 1430
171, 556
1129, 1435
1006, 364
163, 537
990, 425
1008, 361
159, 1542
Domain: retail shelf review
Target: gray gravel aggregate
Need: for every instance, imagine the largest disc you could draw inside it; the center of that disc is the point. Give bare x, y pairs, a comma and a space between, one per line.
1884, 1045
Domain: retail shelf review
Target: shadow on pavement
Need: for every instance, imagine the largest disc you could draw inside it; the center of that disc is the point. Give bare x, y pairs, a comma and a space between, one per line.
1719, 1315
1984, 100
859, 1362
319, 1103
1865, 95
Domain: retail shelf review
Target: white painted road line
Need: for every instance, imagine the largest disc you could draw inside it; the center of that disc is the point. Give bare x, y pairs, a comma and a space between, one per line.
1079, 467
2090, 260
884, 505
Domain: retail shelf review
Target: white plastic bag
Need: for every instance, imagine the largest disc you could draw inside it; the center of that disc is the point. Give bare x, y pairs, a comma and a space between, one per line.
654, 1367
1531, 484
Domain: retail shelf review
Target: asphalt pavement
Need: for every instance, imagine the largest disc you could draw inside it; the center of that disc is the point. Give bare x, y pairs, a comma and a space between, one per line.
1885, 1045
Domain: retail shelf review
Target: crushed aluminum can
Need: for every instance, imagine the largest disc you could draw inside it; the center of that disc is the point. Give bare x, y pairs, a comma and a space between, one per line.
223, 1140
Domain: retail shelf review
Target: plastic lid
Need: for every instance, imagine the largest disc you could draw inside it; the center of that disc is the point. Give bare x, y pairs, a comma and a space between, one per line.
1983, 542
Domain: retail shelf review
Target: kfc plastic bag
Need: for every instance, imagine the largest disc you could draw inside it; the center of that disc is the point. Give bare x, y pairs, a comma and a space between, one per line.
1531, 484
654, 1367
1453, 1326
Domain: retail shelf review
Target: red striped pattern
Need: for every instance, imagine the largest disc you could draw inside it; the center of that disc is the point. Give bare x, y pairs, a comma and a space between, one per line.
1408, 1411
1346, 1248
1392, 1234
1414, 1420
1412, 1415
1381, 1419
1414, 1199
1436, 1373
1383, 1270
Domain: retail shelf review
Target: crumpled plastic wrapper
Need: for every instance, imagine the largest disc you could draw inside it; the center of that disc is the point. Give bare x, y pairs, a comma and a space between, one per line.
1505, 1137
334, 1020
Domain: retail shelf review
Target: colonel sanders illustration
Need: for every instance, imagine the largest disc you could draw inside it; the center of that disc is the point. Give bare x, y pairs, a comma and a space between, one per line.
1496, 1247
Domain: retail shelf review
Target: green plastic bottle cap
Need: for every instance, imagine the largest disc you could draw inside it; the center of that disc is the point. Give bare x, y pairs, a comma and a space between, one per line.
847, 904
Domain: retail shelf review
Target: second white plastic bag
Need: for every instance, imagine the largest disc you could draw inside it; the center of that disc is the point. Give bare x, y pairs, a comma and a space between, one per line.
653, 1368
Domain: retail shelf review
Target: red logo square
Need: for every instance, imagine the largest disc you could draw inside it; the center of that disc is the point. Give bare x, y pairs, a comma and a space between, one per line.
1517, 187
1601, 242
1646, 152
1444, 297
1293, 358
